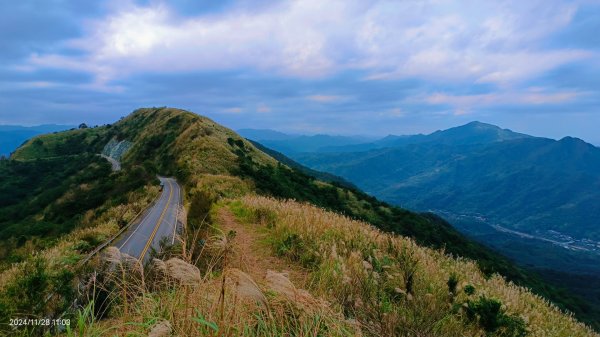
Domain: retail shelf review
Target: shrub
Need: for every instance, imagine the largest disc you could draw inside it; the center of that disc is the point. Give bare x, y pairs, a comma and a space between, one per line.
452, 283
493, 319
469, 290
27, 292
199, 212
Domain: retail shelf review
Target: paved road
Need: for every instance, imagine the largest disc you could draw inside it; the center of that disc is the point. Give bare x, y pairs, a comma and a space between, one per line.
158, 222
116, 166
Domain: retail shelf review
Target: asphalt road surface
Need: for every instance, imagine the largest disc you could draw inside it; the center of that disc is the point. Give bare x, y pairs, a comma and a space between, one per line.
158, 222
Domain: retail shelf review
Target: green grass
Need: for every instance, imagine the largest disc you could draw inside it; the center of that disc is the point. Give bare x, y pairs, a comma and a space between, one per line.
72, 142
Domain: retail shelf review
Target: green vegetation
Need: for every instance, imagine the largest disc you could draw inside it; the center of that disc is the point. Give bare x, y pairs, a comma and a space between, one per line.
35, 282
59, 201
528, 184
47, 198
72, 142
427, 229
359, 280
524, 184
493, 319
280, 157
12, 137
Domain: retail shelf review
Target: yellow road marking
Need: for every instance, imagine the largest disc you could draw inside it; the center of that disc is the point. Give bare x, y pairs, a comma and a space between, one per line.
162, 215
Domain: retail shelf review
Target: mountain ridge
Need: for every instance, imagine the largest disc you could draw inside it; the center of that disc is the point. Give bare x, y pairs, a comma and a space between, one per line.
11, 136
471, 133
383, 168
297, 143
221, 171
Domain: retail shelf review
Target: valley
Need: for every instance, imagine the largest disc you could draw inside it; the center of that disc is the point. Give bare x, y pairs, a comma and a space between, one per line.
300, 168
531, 199
543, 250
550, 236
352, 256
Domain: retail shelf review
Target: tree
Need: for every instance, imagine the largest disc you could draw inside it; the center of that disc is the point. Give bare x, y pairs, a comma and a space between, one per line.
83, 126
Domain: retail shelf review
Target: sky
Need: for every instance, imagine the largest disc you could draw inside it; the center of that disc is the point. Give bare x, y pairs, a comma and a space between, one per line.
307, 66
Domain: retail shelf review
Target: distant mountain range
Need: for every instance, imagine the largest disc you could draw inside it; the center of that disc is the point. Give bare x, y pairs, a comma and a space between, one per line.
478, 175
59, 200
289, 143
536, 200
523, 182
11, 136
472, 133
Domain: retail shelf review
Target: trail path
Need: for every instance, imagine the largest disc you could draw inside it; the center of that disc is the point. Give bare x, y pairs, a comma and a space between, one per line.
254, 256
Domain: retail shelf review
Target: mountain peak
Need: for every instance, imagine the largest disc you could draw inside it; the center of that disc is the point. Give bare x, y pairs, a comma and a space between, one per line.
228, 177
479, 124
569, 139
475, 132
576, 143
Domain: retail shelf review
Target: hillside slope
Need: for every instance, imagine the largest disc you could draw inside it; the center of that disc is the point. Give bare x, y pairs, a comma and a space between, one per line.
299, 143
12, 136
292, 145
529, 184
193, 288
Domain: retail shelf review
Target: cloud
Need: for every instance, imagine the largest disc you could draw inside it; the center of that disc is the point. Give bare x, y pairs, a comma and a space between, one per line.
394, 113
325, 98
263, 108
532, 96
233, 110
432, 39
138, 39
338, 66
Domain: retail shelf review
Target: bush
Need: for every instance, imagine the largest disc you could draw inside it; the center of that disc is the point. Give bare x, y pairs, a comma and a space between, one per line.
452, 283
492, 318
199, 212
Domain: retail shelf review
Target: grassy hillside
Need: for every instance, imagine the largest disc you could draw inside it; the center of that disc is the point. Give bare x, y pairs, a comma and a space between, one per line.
282, 268
372, 275
280, 157
39, 272
254, 266
58, 201
12, 136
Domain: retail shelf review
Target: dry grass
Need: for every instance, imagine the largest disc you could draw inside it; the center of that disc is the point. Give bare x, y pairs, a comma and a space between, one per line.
183, 272
362, 282
201, 145
229, 304
222, 186
354, 264
214, 300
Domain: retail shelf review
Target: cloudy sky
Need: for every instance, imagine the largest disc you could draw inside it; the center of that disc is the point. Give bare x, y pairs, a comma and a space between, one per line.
310, 66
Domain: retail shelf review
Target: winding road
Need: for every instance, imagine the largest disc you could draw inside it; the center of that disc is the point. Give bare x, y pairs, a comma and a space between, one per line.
158, 222
116, 166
